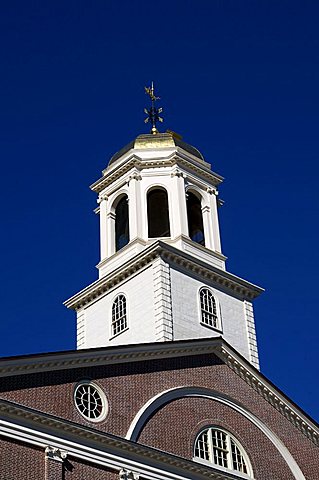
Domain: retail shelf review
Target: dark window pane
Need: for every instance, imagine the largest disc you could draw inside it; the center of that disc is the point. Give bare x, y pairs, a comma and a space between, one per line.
195, 219
122, 236
157, 212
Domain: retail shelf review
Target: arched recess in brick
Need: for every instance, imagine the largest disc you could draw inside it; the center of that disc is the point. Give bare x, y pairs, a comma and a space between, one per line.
160, 400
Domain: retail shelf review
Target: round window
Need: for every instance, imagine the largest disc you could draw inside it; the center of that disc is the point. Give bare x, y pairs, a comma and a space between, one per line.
90, 401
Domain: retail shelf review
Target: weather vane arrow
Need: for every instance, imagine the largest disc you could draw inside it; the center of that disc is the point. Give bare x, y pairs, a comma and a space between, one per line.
152, 112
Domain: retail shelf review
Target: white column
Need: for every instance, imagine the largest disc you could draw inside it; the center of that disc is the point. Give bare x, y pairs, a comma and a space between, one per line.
103, 231
208, 228
214, 219
135, 210
110, 233
178, 209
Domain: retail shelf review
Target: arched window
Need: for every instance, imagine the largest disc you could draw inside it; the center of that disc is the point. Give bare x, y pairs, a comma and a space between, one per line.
122, 235
119, 315
195, 218
209, 309
218, 447
157, 213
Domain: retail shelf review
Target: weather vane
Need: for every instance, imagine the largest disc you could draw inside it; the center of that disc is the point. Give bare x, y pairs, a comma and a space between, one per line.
153, 112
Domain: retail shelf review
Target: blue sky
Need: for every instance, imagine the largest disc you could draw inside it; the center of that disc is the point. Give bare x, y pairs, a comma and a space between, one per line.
239, 80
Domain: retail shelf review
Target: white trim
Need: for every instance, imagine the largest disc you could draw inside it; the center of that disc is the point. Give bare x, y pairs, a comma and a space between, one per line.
115, 198
83, 452
196, 191
219, 327
113, 335
229, 436
105, 404
160, 248
176, 157
170, 395
99, 448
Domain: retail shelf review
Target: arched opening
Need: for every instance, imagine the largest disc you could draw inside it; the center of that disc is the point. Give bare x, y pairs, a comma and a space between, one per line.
157, 213
122, 234
158, 401
195, 218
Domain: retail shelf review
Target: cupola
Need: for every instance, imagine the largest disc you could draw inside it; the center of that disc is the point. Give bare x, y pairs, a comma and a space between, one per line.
158, 187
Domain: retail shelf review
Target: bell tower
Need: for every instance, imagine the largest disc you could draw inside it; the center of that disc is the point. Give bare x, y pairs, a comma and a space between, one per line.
162, 274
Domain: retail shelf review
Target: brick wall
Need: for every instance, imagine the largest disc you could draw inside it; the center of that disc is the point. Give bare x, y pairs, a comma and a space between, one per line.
129, 386
20, 462
76, 469
23, 462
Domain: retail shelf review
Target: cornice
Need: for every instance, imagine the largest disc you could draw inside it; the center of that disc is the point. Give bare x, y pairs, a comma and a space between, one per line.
40, 429
177, 157
270, 393
105, 356
220, 277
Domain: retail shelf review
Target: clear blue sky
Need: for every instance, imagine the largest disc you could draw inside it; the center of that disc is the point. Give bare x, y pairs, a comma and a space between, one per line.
239, 80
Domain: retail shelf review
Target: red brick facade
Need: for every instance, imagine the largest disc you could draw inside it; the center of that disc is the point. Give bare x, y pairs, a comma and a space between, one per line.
20, 461
174, 427
79, 470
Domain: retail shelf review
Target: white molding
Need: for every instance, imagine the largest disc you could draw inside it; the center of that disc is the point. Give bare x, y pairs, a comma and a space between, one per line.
168, 252
155, 403
56, 435
175, 157
105, 403
213, 426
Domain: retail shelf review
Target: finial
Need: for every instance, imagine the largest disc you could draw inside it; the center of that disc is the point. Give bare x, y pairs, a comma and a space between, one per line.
153, 112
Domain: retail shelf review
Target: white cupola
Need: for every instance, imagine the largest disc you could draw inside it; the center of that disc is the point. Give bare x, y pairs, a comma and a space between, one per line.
158, 187
162, 274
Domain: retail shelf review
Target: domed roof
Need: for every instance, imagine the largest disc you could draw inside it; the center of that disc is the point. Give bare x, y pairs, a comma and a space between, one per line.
159, 140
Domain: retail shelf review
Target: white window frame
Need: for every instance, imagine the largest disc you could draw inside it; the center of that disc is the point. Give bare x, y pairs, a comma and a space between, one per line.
210, 312
211, 447
117, 319
103, 400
